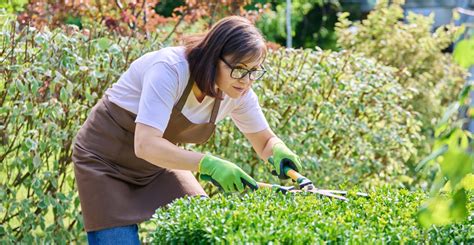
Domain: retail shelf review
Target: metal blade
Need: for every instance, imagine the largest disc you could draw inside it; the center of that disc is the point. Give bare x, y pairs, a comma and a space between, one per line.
311, 188
344, 192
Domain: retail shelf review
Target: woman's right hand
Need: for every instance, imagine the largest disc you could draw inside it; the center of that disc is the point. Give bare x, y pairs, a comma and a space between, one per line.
225, 174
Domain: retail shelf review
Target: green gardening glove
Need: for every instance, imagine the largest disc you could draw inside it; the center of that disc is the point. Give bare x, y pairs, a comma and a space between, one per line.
282, 157
224, 174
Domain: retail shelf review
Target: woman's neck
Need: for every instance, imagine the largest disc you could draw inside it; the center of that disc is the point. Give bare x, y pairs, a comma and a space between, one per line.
197, 93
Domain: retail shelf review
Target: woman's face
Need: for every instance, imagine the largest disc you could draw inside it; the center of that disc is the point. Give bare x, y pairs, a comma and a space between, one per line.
234, 88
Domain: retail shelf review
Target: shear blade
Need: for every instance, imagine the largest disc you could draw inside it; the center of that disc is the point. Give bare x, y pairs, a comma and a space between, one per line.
328, 194
344, 192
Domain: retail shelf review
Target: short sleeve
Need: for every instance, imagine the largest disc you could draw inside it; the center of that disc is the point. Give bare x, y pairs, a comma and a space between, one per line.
248, 115
159, 92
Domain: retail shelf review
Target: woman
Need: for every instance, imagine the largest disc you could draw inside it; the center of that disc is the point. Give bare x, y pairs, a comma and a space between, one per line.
126, 160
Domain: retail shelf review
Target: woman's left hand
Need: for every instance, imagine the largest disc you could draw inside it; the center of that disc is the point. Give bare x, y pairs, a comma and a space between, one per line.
282, 156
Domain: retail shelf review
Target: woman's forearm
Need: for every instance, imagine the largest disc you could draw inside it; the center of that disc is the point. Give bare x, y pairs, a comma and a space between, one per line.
160, 152
267, 150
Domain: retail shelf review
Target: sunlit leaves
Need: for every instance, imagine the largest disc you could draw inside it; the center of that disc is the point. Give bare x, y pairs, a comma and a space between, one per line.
464, 52
453, 156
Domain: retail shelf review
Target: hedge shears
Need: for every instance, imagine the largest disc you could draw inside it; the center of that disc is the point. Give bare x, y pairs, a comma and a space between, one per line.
306, 185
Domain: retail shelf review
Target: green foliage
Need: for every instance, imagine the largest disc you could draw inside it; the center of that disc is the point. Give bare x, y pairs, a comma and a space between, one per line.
262, 217
312, 23
167, 7
453, 157
414, 50
13, 6
464, 52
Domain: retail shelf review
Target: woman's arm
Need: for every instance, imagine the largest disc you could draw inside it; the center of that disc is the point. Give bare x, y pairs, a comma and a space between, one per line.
267, 145
151, 146
263, 142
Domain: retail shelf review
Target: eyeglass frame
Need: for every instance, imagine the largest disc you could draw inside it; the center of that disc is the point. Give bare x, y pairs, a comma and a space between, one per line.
246, 73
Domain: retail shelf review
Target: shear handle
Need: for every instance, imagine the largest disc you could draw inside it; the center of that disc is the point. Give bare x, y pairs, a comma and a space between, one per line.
300, 179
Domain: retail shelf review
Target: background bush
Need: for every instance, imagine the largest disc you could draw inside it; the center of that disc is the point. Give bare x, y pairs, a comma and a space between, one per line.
262, 217
414, 50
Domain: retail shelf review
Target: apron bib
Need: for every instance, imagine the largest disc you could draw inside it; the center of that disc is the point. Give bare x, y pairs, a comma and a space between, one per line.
115, 187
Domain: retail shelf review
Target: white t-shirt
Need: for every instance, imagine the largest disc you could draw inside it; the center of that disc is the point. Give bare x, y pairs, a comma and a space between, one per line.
153, 84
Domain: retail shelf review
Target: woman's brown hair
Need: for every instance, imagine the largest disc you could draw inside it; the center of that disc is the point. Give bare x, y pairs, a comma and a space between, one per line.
235, 36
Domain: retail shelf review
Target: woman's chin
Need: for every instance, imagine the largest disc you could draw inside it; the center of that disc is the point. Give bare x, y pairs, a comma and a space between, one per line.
234, 95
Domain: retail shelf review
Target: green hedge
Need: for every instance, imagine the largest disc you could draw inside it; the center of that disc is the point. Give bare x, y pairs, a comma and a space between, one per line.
262, 217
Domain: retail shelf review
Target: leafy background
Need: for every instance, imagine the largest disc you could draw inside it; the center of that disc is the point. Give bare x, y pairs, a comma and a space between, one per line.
362, 114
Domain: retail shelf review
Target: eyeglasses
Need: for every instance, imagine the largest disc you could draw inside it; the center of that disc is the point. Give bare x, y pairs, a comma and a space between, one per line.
238, 72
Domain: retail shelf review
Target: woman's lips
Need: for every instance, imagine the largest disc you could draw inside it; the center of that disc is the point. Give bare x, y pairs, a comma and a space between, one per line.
239, 89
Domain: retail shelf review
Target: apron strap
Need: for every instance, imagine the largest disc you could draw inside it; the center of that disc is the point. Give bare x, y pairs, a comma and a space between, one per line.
215, 109
184, 96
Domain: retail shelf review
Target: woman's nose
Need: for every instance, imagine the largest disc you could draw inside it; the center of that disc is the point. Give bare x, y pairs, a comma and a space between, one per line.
245, 79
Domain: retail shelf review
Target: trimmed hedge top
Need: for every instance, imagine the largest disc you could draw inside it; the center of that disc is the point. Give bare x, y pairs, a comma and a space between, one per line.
264, 216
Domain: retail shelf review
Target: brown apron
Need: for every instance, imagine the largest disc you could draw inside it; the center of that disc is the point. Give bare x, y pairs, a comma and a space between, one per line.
115, 187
